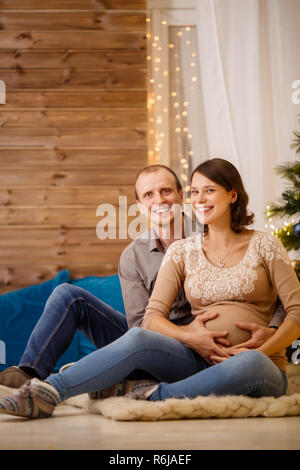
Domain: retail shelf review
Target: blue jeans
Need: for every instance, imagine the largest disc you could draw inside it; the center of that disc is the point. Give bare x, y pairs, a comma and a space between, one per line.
68, 309
180, 371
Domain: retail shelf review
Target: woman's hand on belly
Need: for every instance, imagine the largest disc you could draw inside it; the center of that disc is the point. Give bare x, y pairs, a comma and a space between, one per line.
232, 351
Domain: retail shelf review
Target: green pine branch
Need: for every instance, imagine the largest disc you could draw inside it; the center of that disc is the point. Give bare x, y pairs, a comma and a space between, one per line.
296, 141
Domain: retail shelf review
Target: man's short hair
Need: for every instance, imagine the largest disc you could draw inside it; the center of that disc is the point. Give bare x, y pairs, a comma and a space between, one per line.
153, 169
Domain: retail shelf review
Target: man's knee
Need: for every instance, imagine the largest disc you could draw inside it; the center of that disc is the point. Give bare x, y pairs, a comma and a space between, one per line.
67, 289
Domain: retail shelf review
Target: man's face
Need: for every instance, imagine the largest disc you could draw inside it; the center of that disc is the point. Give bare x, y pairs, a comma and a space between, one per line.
159, 198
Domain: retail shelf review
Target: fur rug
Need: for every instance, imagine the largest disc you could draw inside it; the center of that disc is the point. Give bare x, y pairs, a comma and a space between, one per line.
125, 409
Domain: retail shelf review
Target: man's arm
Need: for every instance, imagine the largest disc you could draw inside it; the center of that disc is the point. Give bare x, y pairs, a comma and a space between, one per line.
135, 295
278, 316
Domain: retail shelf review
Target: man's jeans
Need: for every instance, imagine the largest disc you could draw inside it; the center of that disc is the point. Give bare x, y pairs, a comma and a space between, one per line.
68, 309
180, 371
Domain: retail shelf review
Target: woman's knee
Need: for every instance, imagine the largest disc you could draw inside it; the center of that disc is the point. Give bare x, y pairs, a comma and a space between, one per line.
254, 359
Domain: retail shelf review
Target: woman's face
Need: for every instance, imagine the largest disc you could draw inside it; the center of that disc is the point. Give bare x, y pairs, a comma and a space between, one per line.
211, 202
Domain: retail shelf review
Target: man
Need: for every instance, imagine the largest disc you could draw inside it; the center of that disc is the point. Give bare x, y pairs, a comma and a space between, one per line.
69, 308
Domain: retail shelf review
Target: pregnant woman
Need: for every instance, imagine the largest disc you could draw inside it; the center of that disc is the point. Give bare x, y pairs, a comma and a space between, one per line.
230, 275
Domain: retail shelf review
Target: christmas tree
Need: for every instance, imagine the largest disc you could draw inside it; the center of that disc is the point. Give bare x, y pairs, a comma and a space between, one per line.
289, 204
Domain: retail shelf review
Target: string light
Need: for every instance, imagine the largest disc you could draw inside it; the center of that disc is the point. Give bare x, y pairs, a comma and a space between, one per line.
178, 108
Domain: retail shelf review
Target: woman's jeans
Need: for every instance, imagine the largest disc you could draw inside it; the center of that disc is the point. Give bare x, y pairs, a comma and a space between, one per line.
68, 309
180, 371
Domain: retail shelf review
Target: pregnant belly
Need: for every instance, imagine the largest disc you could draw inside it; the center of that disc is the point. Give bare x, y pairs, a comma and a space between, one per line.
228, 315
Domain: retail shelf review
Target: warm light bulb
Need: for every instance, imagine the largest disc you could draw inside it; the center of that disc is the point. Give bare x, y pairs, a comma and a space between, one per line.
194, 79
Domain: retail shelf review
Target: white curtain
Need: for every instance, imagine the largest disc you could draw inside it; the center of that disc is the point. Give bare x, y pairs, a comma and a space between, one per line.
249, 54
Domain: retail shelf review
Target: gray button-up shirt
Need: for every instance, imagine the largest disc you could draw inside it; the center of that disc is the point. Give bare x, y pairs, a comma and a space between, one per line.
138, 269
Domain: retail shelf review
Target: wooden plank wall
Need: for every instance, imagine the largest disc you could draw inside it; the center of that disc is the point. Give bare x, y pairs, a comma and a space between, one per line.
72, 132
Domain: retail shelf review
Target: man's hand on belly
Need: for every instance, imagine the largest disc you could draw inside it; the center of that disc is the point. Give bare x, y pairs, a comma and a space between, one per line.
259, 335
205, 342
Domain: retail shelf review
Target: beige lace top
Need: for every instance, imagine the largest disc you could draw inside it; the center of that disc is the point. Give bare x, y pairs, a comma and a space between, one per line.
246, 292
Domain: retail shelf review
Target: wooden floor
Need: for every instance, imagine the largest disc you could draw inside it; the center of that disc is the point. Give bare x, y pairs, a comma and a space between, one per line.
73, 429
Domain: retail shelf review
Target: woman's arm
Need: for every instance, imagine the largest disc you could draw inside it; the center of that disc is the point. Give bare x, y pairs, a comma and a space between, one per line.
284, 279
286, 334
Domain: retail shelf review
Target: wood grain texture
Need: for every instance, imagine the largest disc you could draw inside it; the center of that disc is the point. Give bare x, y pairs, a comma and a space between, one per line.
72, 78
39, 40
73, 133
70, 196
18, 276
83, 97
50, 137
72, 118
20, 60
81, 177
70, 20
61, 158
73, 5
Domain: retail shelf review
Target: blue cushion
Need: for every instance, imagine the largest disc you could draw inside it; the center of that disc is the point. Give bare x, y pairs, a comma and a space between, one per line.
19, 312
108, 289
